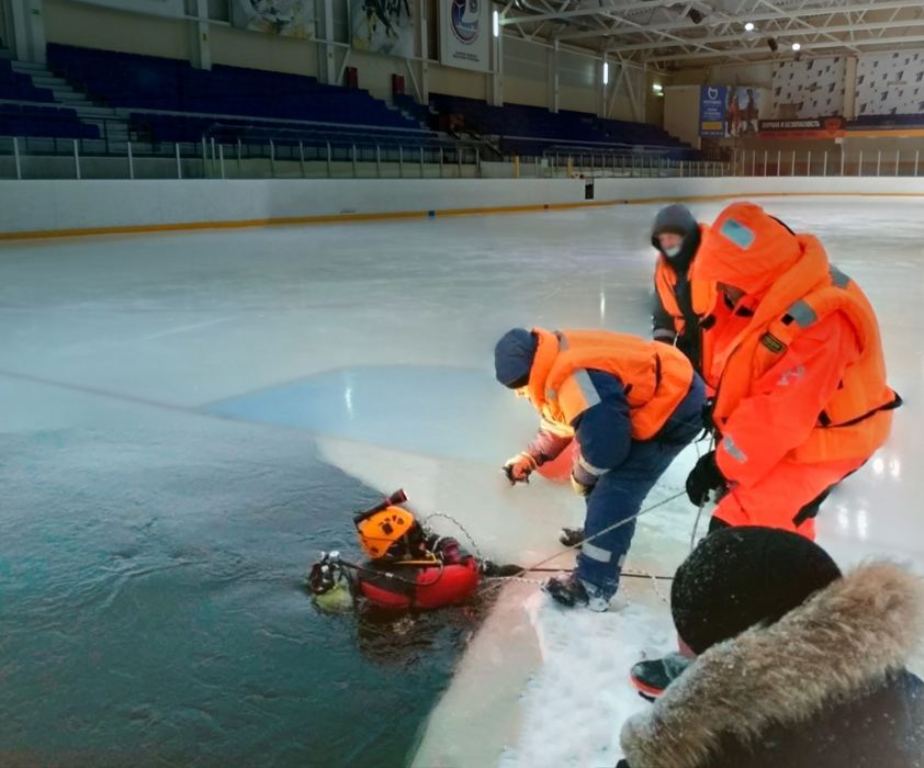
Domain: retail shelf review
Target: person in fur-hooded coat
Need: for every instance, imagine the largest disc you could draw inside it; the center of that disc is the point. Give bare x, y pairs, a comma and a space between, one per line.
797, 665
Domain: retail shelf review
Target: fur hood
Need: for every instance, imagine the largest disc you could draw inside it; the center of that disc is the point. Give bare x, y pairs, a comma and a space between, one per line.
844, 639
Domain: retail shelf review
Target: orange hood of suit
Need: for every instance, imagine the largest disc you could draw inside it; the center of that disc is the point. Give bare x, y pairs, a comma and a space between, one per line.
746, 248
796, 287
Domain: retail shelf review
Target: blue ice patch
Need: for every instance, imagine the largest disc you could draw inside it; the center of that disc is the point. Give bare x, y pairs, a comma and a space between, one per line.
739, 234
457, 413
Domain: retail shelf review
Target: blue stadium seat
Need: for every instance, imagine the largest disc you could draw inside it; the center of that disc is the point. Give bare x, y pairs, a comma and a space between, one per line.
152, 83
25, 120
531, 130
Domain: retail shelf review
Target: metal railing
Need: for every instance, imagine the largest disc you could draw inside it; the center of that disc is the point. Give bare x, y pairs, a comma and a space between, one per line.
55, 158
284, 157
869, 163
638, 164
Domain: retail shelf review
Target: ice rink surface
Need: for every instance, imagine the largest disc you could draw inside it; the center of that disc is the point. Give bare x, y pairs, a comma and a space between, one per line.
376, 341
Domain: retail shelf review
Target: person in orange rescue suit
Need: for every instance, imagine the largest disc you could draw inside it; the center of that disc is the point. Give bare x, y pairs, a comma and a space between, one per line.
680, 302
792, 350
631, 404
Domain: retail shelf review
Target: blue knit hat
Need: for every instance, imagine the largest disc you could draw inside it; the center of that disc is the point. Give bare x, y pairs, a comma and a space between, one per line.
513, 357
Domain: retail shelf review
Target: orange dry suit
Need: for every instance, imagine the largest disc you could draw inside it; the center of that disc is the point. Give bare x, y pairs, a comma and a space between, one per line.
801, 395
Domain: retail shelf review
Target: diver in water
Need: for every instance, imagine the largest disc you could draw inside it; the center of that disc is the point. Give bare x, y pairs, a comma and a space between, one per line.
409, 566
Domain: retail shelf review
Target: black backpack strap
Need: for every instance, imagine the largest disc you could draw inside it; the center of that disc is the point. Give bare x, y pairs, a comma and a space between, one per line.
896, 402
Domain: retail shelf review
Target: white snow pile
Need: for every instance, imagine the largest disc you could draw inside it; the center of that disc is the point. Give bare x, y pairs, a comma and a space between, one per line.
574, 707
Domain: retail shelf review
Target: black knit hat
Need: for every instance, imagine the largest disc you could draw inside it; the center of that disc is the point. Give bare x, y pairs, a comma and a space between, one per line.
739, 577
513, 357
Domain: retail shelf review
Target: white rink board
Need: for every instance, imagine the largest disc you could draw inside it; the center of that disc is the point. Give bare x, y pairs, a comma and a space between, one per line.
49, 206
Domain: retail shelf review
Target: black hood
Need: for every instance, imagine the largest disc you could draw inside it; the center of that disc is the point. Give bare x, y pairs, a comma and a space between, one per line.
678, 220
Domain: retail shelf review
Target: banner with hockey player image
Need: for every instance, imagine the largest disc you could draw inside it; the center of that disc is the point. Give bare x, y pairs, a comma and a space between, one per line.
383, 26
742, 111
290, 18
465, 34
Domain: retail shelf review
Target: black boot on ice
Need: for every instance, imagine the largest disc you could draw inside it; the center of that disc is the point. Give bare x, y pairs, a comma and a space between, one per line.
652, 676
571, 536
573, 592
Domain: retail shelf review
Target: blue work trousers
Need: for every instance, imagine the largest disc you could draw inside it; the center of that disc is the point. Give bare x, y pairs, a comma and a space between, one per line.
619, 494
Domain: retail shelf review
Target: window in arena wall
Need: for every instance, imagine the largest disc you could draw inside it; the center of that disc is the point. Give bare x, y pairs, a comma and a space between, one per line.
342, 31
4, 35
433, 30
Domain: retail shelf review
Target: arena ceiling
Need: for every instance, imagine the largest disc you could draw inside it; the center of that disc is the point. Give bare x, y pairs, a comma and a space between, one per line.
668, 34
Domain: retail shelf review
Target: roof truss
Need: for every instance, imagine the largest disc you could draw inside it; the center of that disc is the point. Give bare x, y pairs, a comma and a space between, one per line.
670, 33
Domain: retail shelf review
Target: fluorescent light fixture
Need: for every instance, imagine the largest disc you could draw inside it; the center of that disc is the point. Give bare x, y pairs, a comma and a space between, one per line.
749, 26
495, 23
797, 46
606, 73
657, 87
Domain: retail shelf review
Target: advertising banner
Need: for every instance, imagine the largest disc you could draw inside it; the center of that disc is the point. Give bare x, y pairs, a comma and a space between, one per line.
465, 34
291, 18
383, 26
742, 111
729, 111
712, 110
808, 128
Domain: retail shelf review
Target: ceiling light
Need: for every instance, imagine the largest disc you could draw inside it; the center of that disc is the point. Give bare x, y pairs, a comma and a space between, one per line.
749, 26
797, 46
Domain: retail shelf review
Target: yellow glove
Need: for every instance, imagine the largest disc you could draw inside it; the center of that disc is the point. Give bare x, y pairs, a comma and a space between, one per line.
579, 488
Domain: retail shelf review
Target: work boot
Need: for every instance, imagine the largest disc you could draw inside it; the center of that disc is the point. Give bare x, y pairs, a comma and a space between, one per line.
652, 676
573, 592
571, 536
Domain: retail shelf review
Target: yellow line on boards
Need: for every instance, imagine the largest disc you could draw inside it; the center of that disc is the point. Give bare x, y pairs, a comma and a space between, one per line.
343, 218
885, 133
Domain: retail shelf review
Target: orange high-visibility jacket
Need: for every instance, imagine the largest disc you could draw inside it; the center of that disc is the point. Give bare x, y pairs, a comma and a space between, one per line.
655, 377
702, 292
803, 377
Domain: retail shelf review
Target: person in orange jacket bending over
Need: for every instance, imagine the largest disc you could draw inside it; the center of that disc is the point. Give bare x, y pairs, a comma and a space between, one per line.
792, 350
631, 404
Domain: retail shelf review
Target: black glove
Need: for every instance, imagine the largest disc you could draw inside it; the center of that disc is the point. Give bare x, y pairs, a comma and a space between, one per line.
708, 423
706, 476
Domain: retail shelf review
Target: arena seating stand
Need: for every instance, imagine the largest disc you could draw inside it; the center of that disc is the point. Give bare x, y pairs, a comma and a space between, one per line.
529, 130
29, 111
